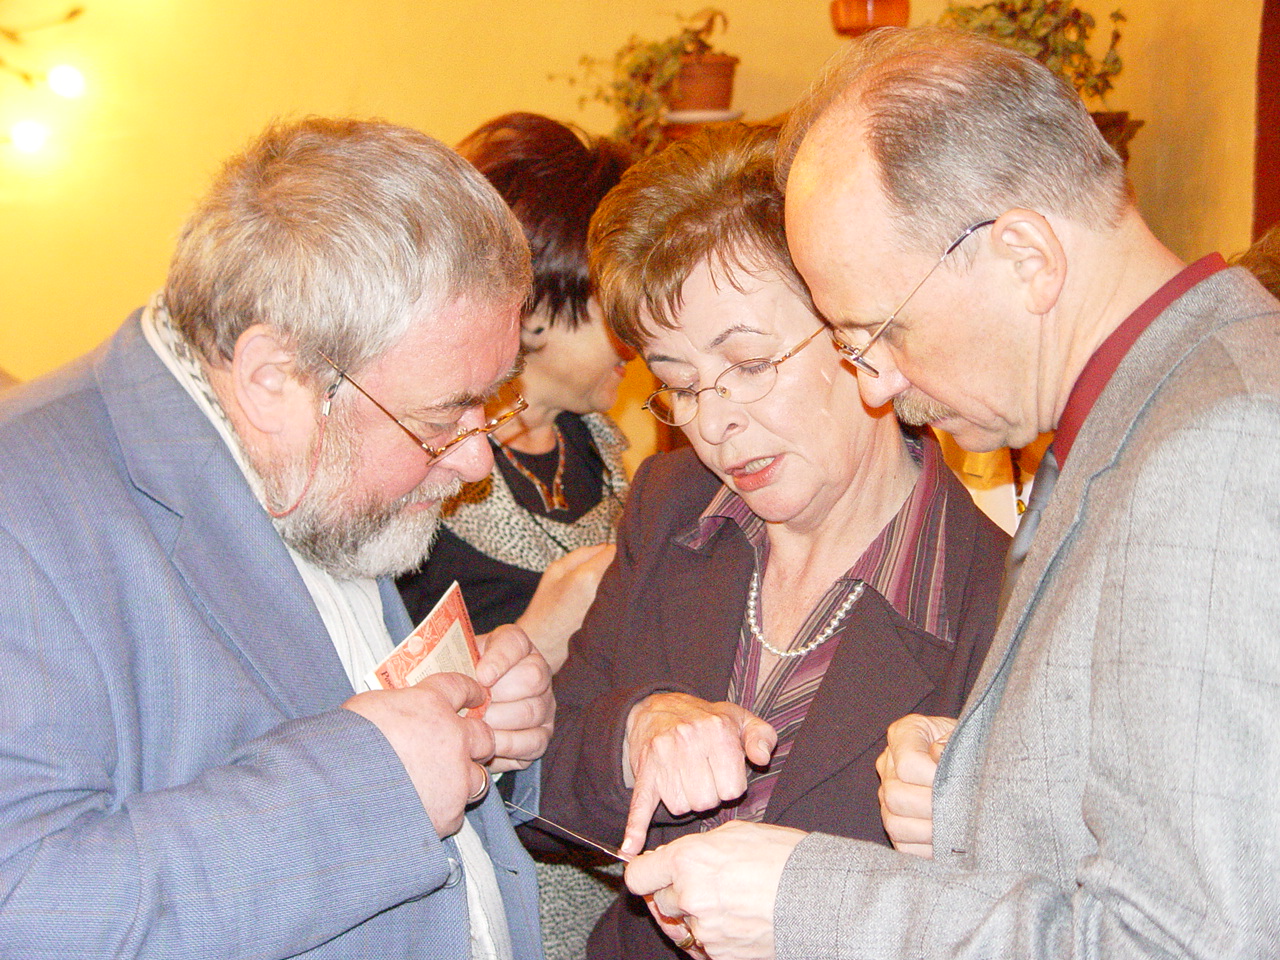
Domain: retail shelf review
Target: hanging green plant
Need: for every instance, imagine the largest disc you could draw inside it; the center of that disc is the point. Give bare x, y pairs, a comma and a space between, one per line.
1055, 32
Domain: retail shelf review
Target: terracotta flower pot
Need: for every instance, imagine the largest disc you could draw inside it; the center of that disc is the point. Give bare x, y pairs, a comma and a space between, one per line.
705, 82
854, 17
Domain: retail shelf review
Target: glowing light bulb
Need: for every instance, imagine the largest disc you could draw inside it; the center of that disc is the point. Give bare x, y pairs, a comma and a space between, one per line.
29, 136
66, 81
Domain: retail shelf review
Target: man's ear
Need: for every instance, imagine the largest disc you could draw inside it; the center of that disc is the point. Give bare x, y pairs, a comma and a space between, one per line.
266, 386
1035, 252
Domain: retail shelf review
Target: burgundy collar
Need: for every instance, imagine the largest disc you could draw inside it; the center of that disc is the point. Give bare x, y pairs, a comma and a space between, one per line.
1093, 378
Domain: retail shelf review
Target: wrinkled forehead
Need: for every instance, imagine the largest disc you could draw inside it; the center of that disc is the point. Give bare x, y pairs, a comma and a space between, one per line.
455, 355
722, 310
728, 269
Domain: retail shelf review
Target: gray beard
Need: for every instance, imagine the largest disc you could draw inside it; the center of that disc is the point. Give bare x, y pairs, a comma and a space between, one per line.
375, 542
352, 541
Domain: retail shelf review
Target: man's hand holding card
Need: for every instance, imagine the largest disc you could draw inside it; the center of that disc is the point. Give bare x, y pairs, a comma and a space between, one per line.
521, 708
443, 642
442, 751
428, 697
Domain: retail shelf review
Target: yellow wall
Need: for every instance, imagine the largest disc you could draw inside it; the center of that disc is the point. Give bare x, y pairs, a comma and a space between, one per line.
1190, 74
176, 85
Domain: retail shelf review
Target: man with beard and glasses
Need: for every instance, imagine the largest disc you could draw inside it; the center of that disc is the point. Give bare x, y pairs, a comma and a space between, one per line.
198, 523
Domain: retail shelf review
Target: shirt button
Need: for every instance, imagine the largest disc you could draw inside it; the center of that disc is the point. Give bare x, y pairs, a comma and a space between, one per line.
455, 872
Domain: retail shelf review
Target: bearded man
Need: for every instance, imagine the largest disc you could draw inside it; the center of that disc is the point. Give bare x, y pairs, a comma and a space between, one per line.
197, 526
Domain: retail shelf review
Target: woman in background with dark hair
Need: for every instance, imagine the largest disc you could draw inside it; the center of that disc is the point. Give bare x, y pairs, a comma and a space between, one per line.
529, 543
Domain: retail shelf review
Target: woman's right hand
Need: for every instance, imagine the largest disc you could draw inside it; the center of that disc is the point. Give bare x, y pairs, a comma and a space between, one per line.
690, 755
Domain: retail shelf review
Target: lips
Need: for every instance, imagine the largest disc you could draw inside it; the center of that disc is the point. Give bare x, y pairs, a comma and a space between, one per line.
755, 473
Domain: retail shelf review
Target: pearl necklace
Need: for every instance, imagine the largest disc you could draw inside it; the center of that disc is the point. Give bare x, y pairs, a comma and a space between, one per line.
753, 600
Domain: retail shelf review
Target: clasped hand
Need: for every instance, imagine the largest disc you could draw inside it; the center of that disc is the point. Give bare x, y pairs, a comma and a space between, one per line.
720, 886
907, 768
690, 755
448, 756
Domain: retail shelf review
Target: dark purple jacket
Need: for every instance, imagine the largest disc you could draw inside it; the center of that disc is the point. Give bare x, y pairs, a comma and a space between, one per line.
668, 618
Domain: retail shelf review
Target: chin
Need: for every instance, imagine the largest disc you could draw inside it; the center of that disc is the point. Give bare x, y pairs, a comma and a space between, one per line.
972, 438
599, 402
771, 506
357, 540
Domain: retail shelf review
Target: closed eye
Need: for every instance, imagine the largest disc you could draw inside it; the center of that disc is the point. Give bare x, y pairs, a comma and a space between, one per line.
750, 367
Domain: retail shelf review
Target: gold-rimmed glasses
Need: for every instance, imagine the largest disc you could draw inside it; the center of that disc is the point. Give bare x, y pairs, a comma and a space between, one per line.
857, 355
434, 452
744, 382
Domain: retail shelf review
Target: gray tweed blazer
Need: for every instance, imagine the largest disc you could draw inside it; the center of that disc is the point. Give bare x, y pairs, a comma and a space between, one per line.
1111, 790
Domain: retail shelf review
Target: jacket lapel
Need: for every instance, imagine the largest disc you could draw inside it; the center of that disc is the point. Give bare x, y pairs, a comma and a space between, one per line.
394, 614
726, 561
872, 680
221, 540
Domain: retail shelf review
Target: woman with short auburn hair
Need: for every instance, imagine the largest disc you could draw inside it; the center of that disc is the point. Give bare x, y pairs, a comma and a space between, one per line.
804, 575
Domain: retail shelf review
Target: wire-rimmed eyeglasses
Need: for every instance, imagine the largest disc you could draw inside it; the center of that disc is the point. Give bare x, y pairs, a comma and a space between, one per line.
857, 355
744, 382
434, 452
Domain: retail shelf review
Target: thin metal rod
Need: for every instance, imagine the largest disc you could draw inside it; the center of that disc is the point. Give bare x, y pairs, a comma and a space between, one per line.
602, 847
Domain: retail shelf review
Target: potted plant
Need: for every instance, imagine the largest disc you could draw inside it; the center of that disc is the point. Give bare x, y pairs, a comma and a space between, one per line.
852, 18
1057, 33
651, 78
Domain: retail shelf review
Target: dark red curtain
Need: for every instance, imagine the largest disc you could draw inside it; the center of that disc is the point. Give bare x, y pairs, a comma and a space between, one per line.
1266, 177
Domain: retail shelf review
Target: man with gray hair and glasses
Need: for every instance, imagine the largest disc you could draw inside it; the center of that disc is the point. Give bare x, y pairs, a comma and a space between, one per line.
1109, 788
198, 523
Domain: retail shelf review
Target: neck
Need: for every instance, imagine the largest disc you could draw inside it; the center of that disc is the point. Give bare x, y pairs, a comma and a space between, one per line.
1110, 279
819, 550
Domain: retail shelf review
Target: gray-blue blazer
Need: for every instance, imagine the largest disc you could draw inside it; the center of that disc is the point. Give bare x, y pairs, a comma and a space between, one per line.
177, 778
1111, 790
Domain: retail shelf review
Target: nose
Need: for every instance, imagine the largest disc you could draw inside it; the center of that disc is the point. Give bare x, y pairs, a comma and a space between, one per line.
718, 419
471, 459
877, 391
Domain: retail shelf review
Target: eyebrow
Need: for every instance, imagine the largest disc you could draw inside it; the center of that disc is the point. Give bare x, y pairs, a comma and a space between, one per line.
847, 324
716, 341
466, 399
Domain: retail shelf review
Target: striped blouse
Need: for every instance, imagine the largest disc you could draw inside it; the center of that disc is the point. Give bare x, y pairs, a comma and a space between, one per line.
905, 563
